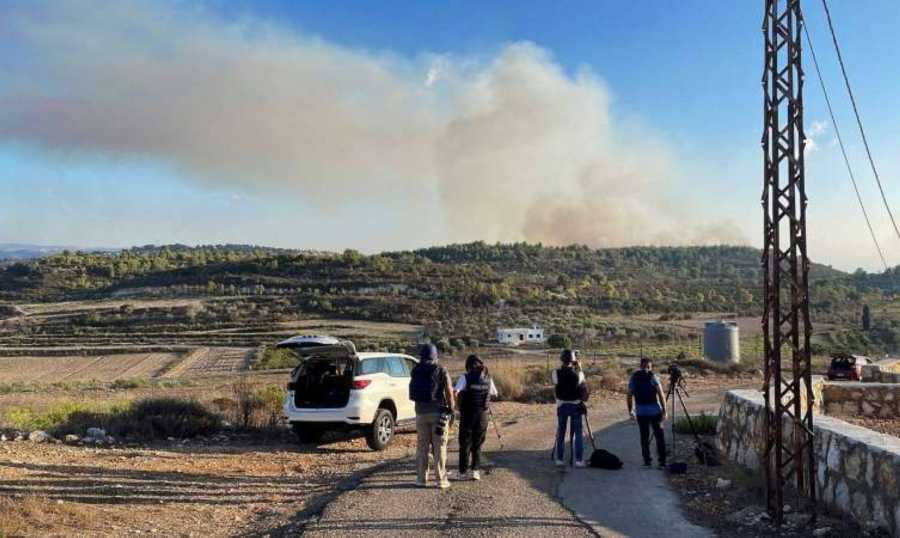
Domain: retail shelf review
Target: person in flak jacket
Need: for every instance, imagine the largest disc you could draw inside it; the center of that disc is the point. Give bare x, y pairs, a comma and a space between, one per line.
430, 389
571, 393
649, 409
474, 390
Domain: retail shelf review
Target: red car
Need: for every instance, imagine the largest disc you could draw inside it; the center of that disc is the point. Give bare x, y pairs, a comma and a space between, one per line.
847, 367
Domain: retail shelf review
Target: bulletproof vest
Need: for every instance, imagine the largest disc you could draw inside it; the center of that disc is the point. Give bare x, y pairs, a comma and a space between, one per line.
567, 385
426, 384
643, 388
475, 396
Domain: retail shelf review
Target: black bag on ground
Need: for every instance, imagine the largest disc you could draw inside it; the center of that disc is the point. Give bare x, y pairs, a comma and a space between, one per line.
602, 459
677, 468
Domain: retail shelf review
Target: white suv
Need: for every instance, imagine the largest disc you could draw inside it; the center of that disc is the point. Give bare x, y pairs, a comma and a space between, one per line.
334, 387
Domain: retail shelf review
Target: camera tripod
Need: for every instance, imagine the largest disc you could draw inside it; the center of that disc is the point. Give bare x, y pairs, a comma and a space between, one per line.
678, 390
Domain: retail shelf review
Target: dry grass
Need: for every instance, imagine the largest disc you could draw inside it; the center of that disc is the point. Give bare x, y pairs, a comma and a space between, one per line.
38, 516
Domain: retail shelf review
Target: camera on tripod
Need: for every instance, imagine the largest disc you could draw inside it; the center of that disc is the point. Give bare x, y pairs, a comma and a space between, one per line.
676, 377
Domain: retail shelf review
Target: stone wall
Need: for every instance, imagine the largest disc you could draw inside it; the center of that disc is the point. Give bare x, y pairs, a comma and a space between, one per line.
858, 470
881, 400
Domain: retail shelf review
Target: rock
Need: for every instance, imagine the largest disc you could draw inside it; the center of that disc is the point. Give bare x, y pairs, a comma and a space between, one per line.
721, 483
821, 531
743, 515
110, 440
170, 439
72, 439
4, 438
19, 437
38, 436
796, 520
96, 433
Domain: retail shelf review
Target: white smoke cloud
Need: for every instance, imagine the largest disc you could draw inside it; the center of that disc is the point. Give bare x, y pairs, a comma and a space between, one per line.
512, 145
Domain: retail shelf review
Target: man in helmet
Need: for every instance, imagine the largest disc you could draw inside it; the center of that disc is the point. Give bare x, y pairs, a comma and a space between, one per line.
571, 393
645, 390
474, 390
430, 388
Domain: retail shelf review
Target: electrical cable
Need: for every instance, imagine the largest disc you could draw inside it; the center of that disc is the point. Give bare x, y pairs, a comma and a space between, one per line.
859, 123
840, 140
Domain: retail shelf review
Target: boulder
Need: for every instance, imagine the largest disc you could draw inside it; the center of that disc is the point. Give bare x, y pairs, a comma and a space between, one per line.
722, 483
96, 433
72, 439
38, 436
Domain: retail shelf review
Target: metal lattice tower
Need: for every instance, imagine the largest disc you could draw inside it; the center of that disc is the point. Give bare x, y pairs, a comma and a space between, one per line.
786, 324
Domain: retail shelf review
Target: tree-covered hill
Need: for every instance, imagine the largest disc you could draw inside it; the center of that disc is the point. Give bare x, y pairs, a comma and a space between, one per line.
469, 287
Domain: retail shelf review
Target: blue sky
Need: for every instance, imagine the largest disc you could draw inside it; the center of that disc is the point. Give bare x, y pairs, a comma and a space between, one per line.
682, 77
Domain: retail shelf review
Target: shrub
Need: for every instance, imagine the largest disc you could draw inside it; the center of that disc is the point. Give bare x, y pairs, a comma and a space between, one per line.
152, 418
132, 383
159, 418
560, 341
50, 419
703, 424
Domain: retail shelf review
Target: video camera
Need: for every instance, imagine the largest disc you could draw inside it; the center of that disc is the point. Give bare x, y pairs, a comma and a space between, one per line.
676, 376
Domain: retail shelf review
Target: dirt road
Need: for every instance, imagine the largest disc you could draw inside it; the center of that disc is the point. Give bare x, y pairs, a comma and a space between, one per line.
524, 495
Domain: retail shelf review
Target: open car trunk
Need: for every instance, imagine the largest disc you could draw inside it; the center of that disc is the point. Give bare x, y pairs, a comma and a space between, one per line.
324, 377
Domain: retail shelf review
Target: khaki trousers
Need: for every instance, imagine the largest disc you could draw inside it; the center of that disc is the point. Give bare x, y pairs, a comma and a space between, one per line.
430, 443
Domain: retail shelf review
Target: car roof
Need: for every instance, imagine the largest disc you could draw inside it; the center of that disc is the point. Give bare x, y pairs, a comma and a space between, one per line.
375, 355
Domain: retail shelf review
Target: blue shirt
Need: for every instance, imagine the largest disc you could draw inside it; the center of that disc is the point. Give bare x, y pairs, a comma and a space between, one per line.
646, 410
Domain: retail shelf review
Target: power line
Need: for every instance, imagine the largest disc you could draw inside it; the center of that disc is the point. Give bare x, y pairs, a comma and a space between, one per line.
840, 140
862, 131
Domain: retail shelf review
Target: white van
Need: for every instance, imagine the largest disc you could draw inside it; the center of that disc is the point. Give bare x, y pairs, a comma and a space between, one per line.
334, 387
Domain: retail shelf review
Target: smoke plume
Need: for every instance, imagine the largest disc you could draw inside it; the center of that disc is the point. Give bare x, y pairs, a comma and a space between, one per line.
510, 145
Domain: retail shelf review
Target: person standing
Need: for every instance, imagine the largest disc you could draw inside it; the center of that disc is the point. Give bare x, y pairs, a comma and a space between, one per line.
571, 393
647, 404
474, 390
429, 388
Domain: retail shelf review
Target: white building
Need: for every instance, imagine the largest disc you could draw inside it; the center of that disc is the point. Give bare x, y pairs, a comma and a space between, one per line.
516, 336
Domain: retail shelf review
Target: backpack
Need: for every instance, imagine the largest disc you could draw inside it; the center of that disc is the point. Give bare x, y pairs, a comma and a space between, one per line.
427, 383
602, 459
644, 389
567, 386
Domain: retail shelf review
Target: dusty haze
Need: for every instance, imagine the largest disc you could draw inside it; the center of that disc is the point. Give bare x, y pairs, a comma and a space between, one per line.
511, 146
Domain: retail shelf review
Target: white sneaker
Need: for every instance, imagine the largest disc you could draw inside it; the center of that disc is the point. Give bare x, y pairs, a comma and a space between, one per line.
580, 464
559, 463
476, 475
444, 485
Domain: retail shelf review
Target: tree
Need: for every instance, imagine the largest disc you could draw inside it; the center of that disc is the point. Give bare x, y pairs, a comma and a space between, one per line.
560, 341
866, 318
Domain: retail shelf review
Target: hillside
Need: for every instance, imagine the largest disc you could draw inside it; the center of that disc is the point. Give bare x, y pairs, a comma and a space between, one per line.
461, 290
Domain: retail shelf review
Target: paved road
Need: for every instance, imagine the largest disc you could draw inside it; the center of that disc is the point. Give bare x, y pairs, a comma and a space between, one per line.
524, 495
634, 501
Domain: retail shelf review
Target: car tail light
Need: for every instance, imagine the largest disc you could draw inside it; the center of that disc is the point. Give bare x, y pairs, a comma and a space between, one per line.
359, 384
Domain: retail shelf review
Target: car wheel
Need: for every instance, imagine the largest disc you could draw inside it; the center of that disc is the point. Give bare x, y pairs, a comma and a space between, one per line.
381, 432
307, 433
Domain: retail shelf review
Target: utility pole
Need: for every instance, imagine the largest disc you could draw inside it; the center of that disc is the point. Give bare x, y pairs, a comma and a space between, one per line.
785, 322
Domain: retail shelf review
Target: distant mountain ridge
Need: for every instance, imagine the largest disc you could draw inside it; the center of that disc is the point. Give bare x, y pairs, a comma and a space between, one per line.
26, 251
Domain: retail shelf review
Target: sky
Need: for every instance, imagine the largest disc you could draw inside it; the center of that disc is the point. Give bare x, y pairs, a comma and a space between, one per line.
396, 125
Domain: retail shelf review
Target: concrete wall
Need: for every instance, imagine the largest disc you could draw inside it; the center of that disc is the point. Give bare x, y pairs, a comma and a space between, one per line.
858, 470
881, 400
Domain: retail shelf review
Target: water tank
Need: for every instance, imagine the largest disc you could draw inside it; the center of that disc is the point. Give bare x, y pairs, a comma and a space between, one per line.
721, 342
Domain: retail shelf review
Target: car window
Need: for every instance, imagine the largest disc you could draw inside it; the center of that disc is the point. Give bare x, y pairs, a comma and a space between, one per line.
396, 367
410, 364
372, 366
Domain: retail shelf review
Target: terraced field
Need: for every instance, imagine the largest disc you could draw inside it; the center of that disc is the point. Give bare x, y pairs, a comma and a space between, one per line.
99, 368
